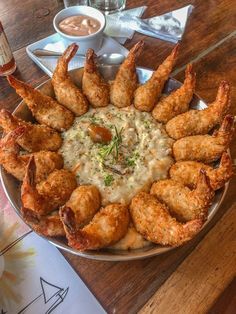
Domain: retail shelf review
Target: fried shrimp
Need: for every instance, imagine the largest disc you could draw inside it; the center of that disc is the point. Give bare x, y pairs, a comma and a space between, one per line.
183, 203
67, 93
126, 80
45, 109
15, 164
152, 219
196, 122
146, 95
107, 227
186, 172
48, 195
48, 225
178, 101
205, 148
94, 87
84, 201
36, 137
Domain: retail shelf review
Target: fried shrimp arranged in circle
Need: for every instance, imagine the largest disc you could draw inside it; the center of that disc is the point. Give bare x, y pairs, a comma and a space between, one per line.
196, 122
178, 101
48, 195
126, 80
45, 109
107, 227
93, 85
84, 201
48, 225
152, 219
16, 164
67, 93
36, 137
146, 95
183, 203
187, 172
205, 148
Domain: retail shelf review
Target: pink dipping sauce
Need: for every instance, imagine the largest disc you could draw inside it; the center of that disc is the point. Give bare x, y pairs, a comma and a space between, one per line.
79, 25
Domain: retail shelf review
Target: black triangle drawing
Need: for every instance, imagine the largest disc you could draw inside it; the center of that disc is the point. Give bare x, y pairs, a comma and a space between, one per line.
49, 290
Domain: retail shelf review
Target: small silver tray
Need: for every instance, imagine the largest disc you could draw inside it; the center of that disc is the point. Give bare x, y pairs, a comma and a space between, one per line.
56, 43
12, 186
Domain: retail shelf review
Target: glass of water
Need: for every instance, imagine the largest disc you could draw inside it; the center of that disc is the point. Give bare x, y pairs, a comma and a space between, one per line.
70, 3
108, 6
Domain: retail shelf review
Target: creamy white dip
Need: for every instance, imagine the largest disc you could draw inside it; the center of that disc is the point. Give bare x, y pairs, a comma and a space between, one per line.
138, 154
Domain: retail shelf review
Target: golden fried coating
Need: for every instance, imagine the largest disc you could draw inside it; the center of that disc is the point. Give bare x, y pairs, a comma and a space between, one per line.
94, 87
45, 109
178, 101
35, 138
146, 95
152, 219
84, 201
205, 148
15, 164
67, 93
126, 80
48, 195
48, 226
9, 154
131, 241
186, 172
183, 203
108, 226
196, 122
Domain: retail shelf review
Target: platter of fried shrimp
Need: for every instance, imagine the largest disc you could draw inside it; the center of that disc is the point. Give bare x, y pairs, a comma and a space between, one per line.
116, 162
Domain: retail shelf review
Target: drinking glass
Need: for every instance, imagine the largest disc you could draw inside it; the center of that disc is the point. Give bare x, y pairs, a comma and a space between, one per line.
70, 3
108, 6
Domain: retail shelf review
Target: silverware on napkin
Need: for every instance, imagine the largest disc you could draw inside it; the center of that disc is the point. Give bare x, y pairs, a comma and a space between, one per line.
169, 26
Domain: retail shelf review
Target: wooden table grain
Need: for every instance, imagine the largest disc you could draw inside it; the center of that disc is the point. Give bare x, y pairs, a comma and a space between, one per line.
200, 276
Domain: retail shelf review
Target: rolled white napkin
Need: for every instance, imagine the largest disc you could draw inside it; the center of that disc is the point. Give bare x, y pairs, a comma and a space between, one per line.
118, 30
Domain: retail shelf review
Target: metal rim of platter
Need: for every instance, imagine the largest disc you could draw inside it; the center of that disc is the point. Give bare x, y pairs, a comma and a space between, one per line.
12, 187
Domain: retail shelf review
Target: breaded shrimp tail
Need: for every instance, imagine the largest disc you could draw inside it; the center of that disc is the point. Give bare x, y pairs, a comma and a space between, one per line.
152, 219
90, 65
93, 85
205, 148
226, 130
35, 138
183, 203
9, 122
108, 226
67, 93
186, 172
49, 194
49, 225
125, 83
63, 61
222, 174
30, 197
84, 201
178, 101
9, 154
196, 122
44, 108
146, 95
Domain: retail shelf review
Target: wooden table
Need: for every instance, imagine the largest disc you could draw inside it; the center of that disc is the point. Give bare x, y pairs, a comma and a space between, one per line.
198, 277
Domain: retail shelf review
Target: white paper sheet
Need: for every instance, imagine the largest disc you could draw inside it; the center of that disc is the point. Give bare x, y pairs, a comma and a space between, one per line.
34, 277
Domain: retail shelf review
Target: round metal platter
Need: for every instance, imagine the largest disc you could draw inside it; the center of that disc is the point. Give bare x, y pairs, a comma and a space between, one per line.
12, 187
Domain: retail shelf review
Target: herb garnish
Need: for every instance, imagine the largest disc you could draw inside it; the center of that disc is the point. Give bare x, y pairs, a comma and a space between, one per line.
114, 145
108, 179
131, 161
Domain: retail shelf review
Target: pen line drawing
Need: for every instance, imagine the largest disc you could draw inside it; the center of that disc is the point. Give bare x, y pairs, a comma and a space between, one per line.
50, 292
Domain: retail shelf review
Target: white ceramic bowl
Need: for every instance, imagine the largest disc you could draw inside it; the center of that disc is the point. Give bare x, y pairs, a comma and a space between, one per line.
94, 40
